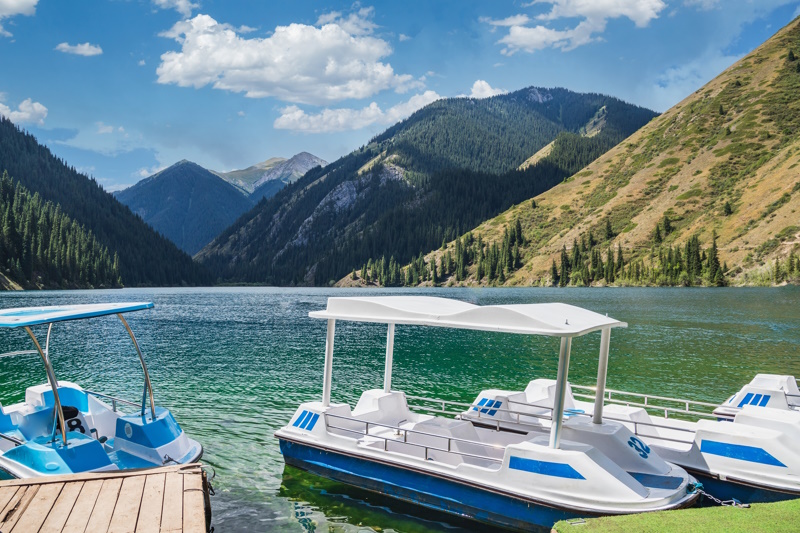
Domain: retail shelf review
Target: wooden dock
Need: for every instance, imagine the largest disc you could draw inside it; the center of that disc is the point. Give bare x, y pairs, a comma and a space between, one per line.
169, 499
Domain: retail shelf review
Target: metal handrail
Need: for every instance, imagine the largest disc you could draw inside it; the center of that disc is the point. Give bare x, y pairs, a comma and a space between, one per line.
398, 429
113, 399
666, 410
15, 440
497, 423
647, 397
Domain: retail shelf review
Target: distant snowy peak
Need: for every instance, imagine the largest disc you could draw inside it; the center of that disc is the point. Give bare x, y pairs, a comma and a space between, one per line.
291, 169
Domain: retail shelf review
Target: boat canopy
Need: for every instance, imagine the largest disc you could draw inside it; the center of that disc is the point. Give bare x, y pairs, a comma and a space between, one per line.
31, 316
551, 319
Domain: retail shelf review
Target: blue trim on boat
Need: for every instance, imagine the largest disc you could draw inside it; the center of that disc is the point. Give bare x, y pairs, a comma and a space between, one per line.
426, 488
741, 452
545, 468
146, 432
746, 401
764, 400
31, 316
310, 424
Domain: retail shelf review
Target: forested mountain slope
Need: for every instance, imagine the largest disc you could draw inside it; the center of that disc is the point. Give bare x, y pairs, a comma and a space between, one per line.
425, 180
186, 203
707, 193
145, 257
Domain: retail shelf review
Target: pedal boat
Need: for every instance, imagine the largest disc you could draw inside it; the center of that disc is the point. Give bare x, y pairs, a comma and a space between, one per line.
576, 467
62, 428
744, 449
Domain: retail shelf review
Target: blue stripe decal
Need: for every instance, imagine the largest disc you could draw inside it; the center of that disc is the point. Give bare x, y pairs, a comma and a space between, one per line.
764, 400
546, 468
747, 398
741, 452
307, 419
756, 399
480, 404
312, 422
300, 418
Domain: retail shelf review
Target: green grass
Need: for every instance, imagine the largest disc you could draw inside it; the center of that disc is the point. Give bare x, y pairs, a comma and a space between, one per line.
762, 517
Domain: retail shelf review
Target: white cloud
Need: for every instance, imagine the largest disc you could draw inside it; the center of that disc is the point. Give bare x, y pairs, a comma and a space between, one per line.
356, 23
482, 89
28, 112
184, 7
141, 63
10, 8
344, 119
796, 12
403, 37
594, 15
296, 63
103, 129
240, 113
145, 172
84, 49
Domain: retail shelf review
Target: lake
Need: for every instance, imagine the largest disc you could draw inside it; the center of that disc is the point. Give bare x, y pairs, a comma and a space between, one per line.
233, 364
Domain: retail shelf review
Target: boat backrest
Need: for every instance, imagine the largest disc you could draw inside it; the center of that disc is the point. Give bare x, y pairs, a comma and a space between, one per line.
436, 432
767, 390
388, 408
542, 392
69, 394
6, 422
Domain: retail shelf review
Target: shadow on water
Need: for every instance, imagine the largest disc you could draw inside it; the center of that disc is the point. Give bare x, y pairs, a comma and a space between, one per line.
324, 505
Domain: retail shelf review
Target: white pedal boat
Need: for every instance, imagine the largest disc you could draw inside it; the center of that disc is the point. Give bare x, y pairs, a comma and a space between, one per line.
62, 428
579, 468
744, 449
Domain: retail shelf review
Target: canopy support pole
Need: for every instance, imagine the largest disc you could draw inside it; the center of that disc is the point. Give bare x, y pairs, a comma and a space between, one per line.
561, 391
387, 371
147, 386
602, 372
326, 383
51, 377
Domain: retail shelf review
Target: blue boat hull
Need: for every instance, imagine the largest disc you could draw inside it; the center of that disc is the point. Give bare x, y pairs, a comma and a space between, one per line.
425, 489
729, 489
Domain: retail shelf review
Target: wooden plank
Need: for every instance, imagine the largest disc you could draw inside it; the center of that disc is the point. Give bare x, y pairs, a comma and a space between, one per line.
152, 504
6, 494
10, 519
88, 476
39, 507
126, 511
61, 510
194, 516
104, 506
11, 504
82, 510
172, 511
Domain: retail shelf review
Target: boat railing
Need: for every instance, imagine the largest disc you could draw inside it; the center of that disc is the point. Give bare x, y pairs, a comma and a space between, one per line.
398, 431
690, 407
114, 400
499, 424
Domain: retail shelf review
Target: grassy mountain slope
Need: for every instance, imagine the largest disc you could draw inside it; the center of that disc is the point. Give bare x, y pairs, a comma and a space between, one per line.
724, 161
186, 203
145, 258
444, 169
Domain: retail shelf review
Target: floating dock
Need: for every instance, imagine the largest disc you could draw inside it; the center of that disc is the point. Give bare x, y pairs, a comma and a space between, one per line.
168, 499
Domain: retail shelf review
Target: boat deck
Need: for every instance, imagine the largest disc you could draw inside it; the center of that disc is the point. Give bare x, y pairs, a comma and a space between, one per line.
167, 499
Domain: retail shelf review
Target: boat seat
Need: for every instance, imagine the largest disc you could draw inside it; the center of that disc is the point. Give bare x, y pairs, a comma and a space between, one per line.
388, 408
435, 433
68, 396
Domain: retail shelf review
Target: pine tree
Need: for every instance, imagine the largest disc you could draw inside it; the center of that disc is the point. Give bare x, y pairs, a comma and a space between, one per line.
609, 230
554, 274
727, 210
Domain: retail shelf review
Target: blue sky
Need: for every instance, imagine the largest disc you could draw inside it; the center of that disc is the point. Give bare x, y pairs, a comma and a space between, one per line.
123, 88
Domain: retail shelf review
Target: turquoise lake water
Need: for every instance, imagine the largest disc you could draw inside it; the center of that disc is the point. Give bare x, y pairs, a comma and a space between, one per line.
233, 364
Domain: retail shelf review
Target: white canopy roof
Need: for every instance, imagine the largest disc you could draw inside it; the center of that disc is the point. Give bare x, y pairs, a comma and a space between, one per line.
553, 319
31, 316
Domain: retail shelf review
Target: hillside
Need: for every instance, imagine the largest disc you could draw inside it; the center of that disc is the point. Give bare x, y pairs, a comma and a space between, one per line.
444, 169
145, 258
186, 203
707, 193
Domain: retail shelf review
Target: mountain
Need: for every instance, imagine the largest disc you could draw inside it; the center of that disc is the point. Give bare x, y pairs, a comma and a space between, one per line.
264, 179
284, 173
145, 257
447, 167
186, 203
245, 178
707, 193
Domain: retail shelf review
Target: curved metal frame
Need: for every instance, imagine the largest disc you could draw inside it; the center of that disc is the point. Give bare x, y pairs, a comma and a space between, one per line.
51, 377
147, 386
